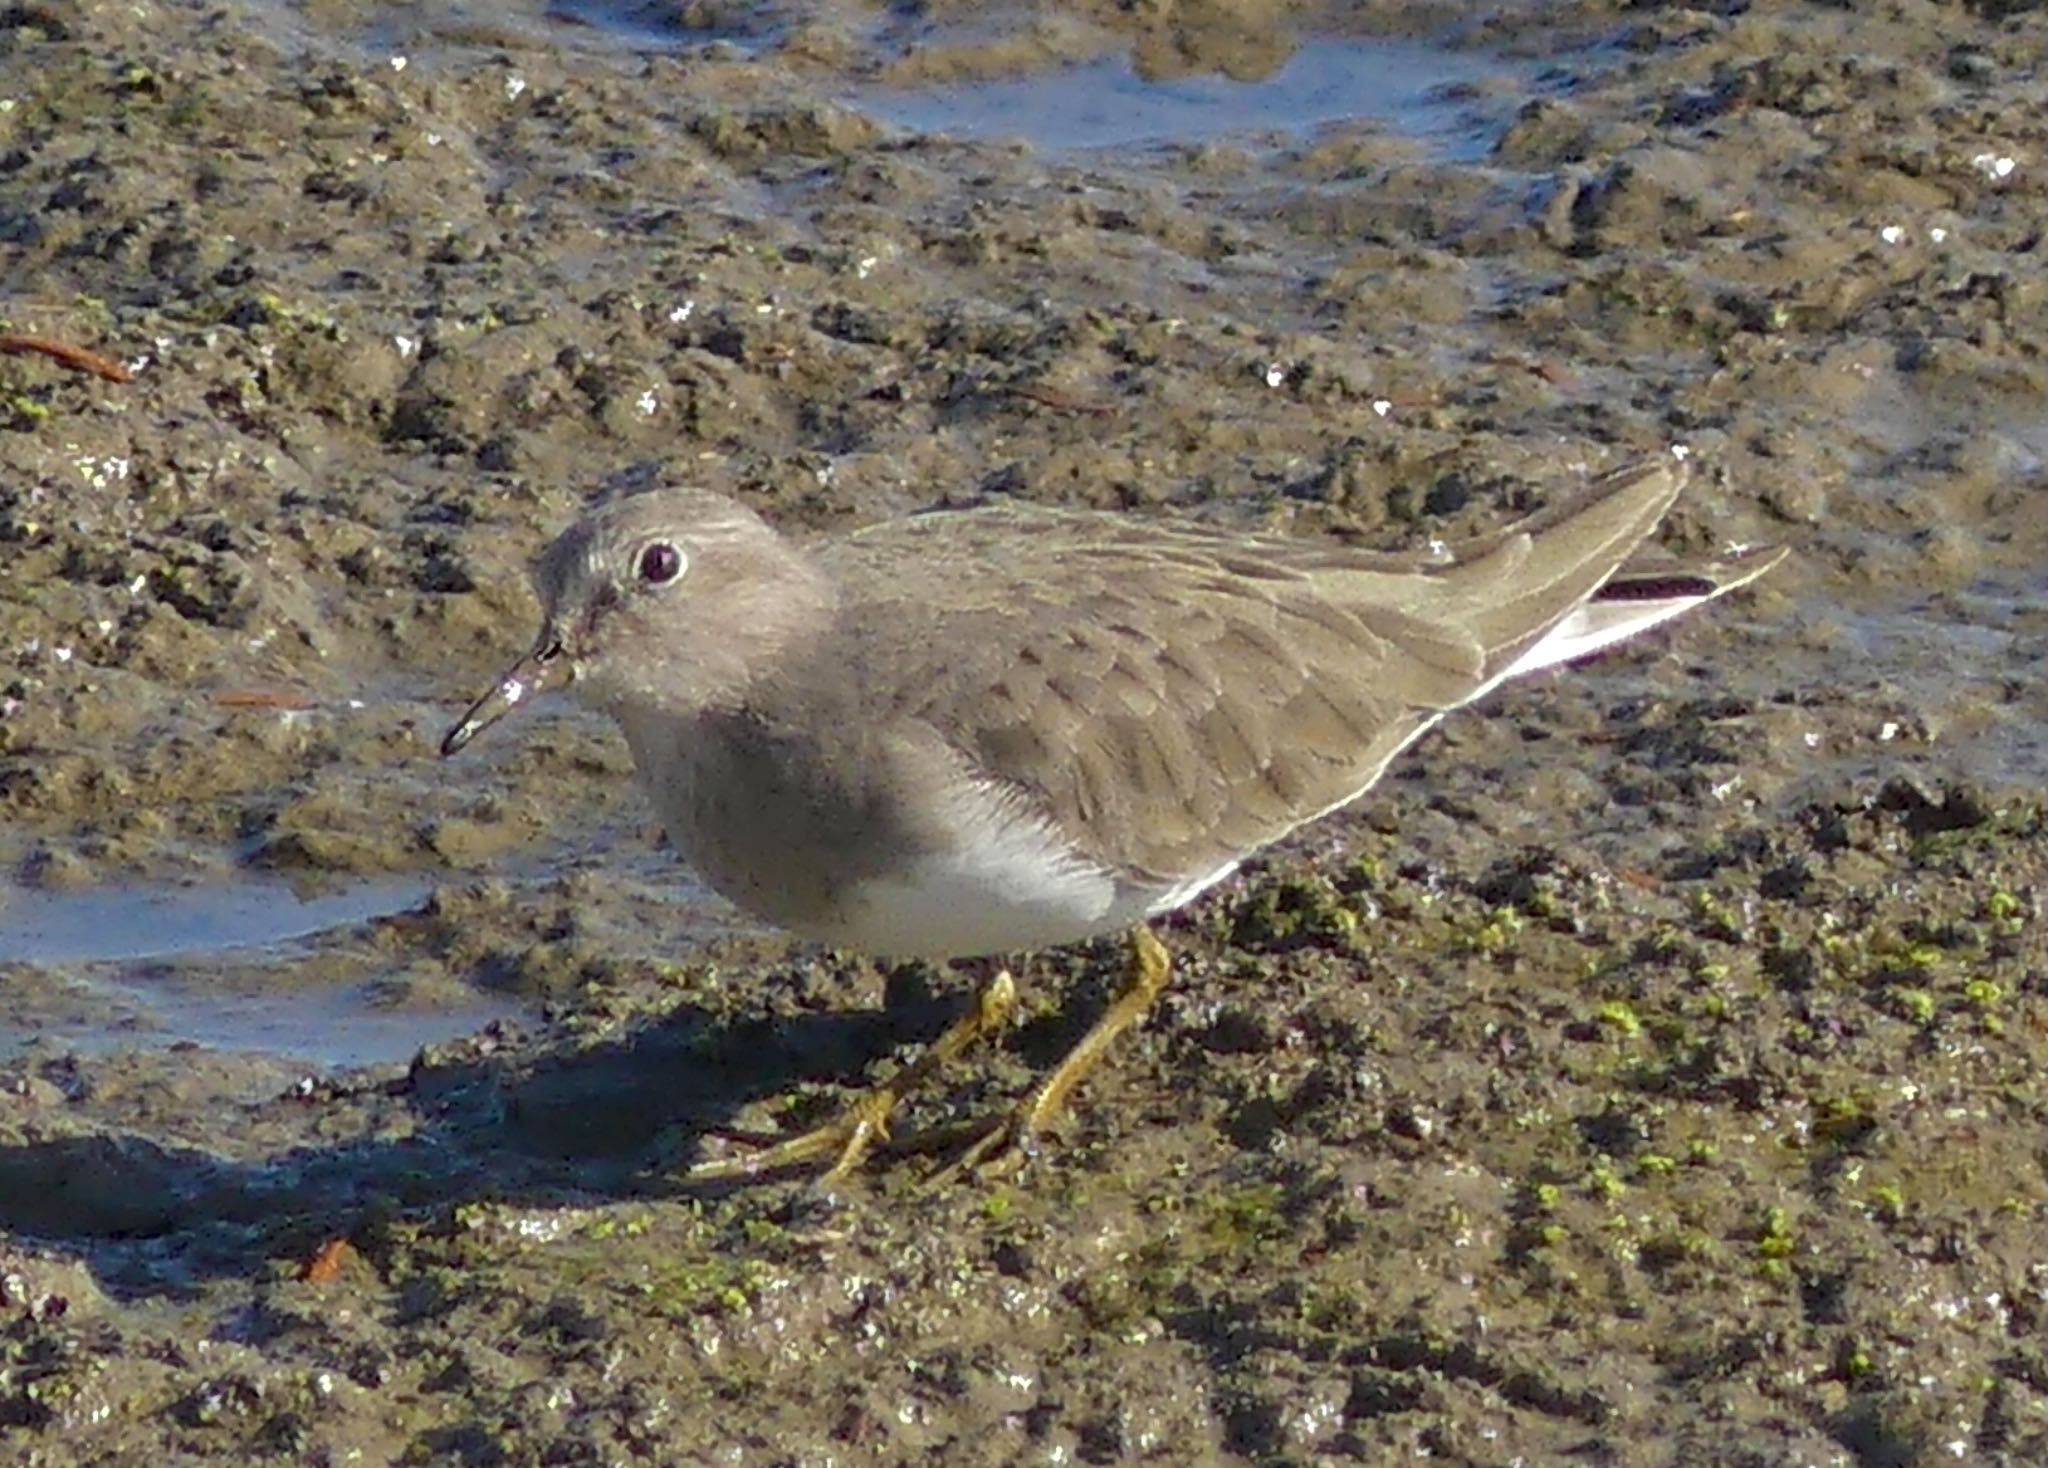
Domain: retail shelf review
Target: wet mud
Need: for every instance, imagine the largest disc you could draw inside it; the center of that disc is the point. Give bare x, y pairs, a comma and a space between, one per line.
1647, 1072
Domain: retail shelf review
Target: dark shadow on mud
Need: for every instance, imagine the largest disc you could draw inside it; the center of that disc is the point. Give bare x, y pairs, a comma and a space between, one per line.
490, 1119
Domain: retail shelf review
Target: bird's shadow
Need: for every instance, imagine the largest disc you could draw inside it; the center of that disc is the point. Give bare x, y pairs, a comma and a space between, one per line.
551, 1123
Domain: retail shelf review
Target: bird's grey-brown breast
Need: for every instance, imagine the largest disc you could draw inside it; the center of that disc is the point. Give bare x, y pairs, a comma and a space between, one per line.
761, 812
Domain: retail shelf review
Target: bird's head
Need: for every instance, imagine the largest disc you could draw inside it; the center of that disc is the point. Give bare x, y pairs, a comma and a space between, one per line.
670, 599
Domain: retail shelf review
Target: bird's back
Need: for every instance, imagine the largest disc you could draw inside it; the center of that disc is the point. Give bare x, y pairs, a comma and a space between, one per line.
1176, 697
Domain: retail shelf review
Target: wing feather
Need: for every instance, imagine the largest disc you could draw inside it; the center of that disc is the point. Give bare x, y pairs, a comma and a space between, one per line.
1176, 697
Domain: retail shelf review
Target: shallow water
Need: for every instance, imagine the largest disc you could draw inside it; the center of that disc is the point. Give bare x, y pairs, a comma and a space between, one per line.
141, 921
327, 1029
1422, 91
1450, 98
136, 965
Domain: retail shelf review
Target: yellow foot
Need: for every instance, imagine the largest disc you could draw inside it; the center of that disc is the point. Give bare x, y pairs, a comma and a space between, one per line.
1001, 1147
849, 1137
846, 1140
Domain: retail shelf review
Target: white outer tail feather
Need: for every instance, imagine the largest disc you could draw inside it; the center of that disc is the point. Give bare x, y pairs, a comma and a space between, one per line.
1597, 625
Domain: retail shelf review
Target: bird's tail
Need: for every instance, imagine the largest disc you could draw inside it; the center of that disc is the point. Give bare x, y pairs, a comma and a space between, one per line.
1552, 589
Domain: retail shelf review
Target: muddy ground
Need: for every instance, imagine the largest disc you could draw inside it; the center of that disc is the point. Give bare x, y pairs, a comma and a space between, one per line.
1648, 1072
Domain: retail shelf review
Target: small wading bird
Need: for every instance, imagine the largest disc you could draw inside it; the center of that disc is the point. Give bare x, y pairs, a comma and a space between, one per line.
981, 732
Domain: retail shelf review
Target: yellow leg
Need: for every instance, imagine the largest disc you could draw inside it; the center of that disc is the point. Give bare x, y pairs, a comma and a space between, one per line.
849, 1137
1009, 1142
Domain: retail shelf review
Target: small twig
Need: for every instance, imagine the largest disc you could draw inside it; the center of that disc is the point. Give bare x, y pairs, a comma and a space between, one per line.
263, 698
1550, 372
82, 359
1052, 397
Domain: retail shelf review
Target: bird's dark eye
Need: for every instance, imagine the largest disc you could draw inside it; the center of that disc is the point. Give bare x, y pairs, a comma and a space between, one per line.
660, 563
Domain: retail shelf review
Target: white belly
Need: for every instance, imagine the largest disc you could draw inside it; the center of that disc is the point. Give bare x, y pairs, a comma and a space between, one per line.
1011, 884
